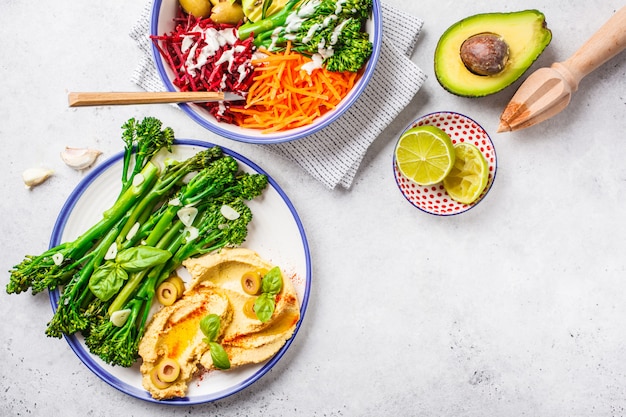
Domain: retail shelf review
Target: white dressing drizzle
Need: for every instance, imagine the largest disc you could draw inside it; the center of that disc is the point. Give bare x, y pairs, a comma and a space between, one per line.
214, 41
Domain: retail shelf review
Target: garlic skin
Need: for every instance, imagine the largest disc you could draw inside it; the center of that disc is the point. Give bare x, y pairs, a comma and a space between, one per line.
35, 176
79, 158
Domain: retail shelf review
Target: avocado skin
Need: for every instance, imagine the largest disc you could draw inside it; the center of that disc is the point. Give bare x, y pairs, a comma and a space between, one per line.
518, 30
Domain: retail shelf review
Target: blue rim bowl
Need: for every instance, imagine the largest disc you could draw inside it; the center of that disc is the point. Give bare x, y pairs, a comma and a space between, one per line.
163, 12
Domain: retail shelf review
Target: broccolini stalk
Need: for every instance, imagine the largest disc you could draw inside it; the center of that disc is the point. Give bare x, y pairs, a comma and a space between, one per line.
206, 184
332, 29
68, 317
119, 345
267, 24
57, 265
170, 178
142, 141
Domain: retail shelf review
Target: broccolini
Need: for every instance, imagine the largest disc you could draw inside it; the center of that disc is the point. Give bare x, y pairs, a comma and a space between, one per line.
141, 240
331, 29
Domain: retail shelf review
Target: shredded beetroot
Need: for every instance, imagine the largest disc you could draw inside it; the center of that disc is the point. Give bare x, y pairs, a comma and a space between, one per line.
207, 56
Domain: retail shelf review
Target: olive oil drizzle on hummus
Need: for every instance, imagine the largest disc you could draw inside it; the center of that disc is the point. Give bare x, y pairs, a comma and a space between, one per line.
215, 288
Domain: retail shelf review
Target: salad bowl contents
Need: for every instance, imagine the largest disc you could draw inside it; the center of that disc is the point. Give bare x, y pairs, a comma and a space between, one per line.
148, 232
299, 64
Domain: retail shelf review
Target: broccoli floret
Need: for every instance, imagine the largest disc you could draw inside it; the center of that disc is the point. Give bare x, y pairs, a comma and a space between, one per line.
119, 345
358, 9
351, 56
86, 304
57, 265
142, 141
334, 29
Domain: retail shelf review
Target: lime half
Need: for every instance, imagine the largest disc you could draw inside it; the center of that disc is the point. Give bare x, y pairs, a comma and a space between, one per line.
469, 175
425, 154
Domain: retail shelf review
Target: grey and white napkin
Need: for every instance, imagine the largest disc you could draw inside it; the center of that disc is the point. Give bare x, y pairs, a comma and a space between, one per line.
333, 155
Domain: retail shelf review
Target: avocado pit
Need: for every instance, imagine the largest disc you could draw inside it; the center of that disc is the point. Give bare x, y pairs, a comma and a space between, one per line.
484, 54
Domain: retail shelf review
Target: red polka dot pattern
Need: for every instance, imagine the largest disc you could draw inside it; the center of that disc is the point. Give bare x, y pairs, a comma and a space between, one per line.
434, 199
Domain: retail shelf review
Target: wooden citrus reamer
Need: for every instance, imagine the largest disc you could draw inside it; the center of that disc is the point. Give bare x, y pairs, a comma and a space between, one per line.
548, 91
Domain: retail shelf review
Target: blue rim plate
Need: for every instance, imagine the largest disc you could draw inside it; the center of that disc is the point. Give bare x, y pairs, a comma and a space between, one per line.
275, 232
434, 199
163, 12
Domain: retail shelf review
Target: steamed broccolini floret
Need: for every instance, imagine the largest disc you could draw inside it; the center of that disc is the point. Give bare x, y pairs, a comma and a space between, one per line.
358, 9
167, 183
147, 205
142, 141
119, 345
333, 29
57, 265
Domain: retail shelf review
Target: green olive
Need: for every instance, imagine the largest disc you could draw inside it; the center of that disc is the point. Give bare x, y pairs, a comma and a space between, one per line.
167, 293
168, 370
251, 282
179, 283
154, 377
248, 309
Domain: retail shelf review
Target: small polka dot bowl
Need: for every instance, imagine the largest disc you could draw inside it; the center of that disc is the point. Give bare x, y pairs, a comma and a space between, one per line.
434, 199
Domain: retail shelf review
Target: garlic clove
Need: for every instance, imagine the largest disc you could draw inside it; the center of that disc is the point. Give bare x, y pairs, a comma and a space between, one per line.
79, 158
35, 176
187, 215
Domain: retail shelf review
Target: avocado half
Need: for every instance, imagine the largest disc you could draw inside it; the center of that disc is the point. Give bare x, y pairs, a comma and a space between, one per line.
525, 32
253, 9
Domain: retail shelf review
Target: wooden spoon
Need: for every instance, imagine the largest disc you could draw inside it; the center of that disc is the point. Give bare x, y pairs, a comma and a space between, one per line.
140, 97
547, 91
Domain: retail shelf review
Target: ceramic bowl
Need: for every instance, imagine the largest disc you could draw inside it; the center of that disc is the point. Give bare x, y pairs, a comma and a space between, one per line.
434, 199
163, 13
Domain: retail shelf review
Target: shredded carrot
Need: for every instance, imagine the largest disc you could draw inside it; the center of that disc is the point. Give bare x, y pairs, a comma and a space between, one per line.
284, 96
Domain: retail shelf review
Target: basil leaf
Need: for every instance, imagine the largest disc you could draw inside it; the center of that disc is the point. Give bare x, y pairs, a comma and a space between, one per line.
219, 356
210, 326
106, 280
138, 258
264, 306
272, 282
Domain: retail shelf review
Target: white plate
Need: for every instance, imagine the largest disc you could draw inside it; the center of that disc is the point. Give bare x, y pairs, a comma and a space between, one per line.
275, 232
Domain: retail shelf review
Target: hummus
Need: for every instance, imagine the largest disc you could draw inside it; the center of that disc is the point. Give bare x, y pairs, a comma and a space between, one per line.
215, 288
